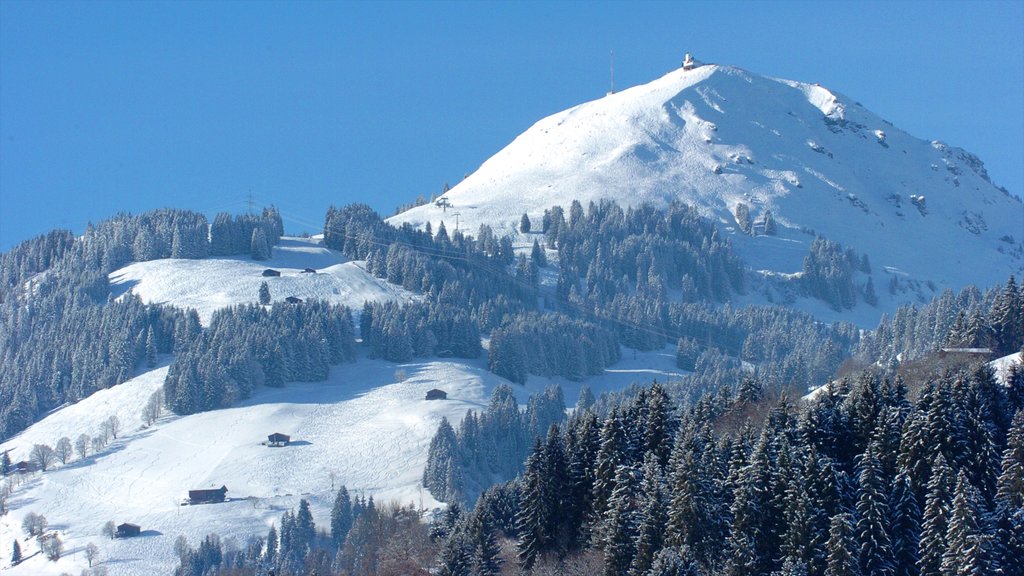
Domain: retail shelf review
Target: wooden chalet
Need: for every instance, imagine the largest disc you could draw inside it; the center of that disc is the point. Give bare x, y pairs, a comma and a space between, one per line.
270, 273
436, 394
127, 530
277, 439
207, 496
24, 467
293, 300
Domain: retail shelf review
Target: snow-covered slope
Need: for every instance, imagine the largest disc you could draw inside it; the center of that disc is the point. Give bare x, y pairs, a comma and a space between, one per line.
213, 283
359, 428
1002, 366
716, 136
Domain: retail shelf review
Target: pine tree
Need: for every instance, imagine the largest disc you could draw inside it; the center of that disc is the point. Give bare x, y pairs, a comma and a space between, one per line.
1010, 487
260, 248
652, 518
454, 558
483, 543
962, 526
935, 519
610, 454
538, 256
904, 526
264, 295
841, 546
524, 223
150, 348
532, 517
341, 516
440, 458
16, 554
875, 555
620, 530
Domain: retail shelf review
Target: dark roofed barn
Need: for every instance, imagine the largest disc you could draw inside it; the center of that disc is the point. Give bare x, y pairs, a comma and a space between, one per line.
207, 496
436, 394
127, 530
278, 439
270, 272
25, 466
309, 271
293, 300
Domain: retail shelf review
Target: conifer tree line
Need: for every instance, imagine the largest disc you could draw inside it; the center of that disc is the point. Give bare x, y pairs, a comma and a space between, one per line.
361, 537
861, 480
246, 233
488, 448
970, 318
421, 329
829, 272
628, 259
247, 346
550, 345
56, 285
450, 269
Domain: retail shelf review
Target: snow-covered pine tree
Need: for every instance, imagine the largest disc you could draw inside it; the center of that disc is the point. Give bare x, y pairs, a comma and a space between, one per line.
842, 560
264, 294
341, 516
904, 525
962, 526
934, 523
524, 223
873, 515
620, 531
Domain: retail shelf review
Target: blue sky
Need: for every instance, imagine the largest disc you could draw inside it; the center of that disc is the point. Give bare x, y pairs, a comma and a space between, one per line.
109, 107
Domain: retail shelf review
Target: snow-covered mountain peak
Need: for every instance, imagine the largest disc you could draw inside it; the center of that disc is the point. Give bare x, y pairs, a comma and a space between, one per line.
718, 137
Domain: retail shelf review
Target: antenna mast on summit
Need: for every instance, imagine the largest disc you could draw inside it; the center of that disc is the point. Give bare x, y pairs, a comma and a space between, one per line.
611, 61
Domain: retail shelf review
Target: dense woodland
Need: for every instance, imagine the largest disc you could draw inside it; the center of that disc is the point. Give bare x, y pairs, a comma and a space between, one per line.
863, 479
893, 469
636, 277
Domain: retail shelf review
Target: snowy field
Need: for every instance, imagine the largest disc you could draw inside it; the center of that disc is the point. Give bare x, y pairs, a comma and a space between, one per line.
213, 283
360, 428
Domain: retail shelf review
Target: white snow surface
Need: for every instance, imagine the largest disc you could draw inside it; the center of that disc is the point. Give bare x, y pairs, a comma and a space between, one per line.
1002, 366
715, 136
359, 428
213, 283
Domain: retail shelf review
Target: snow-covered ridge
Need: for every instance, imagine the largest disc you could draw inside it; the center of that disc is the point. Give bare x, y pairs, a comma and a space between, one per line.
213, 283
717, 136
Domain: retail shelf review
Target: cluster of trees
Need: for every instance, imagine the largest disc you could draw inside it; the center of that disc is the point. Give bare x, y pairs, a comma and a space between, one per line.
246, 233
420, 329
44, 368
863, 480
784, 348
457, 270
56, 285
829, 271
36, 526
992, 319
364, 539
247, 346
488, 447
610, 252
550, 345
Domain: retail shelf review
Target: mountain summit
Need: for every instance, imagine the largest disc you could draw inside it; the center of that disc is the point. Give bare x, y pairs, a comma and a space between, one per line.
737, 146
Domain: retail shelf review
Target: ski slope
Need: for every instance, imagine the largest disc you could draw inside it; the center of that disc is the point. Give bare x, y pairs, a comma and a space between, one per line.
360, 428
715, 136
212, 283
